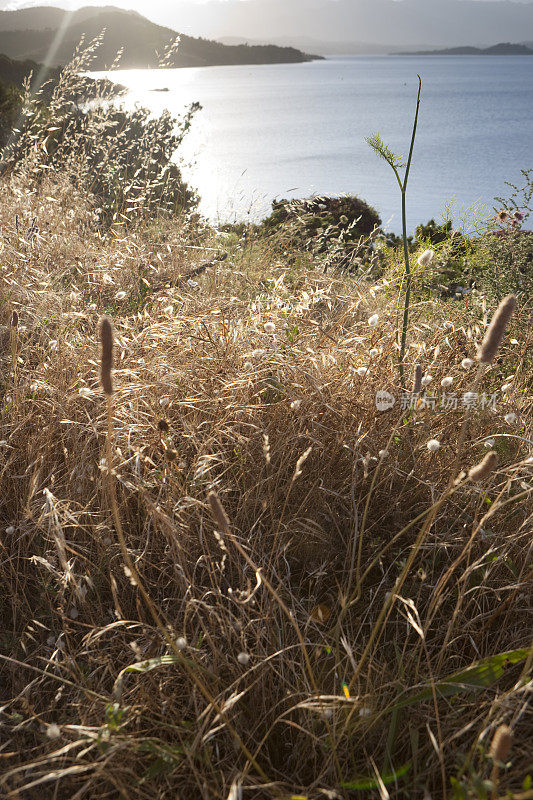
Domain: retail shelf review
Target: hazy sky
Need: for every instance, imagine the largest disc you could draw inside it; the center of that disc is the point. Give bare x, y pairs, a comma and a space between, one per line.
384, 22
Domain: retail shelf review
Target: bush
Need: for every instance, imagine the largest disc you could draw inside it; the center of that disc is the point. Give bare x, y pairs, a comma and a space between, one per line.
503, 263
122, 158
334, 227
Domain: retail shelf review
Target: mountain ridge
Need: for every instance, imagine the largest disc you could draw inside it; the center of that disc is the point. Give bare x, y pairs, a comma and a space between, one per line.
500, 49
59, 33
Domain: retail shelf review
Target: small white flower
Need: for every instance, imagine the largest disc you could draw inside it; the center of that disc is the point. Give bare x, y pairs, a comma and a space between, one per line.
270, 327
373, 320
165, 401
53, 731
362, 371
181, 642
383, 453
84, 391
426, 380
10, 531
489, 443
243, 658
467, 363
433, 445
295, 405
426, 258
446, 382
120, 296
510, 418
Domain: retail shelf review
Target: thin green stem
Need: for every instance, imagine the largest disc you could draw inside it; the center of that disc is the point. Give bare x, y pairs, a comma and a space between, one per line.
413, 137
405, 322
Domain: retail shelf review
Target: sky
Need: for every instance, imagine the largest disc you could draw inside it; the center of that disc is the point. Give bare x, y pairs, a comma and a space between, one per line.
300, 22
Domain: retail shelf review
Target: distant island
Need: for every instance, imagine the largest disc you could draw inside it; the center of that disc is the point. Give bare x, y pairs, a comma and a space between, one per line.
51, 35
503, 49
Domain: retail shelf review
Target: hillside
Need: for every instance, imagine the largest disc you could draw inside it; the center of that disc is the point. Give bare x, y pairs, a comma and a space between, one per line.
33, 34
13, 72
248, 551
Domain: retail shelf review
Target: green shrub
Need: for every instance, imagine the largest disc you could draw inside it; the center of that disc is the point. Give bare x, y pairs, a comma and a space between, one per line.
341, 229
503, 263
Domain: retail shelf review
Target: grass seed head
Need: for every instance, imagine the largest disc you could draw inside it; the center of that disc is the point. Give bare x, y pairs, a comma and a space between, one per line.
501, 744
496, 330
106, 364
217, 509
482, 470
417, 388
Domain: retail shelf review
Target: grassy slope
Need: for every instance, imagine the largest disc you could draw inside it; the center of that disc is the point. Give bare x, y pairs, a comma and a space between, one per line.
243, 407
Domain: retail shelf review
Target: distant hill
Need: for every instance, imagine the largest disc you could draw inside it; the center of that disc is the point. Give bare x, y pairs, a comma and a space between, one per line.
504, 49
51, 35
325, 48
13, 73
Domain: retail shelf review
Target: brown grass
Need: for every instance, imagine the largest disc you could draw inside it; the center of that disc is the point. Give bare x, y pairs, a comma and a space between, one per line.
353, 581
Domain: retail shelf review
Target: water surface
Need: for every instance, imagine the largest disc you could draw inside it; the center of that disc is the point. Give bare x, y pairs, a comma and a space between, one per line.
296, 130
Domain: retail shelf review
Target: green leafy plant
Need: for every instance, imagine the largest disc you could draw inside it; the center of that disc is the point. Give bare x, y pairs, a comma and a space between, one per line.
397, 163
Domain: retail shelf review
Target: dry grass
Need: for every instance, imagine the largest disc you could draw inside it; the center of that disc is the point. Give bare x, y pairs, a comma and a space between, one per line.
304, 648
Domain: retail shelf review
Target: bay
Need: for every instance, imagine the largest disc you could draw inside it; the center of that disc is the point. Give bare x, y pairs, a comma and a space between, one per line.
277, 131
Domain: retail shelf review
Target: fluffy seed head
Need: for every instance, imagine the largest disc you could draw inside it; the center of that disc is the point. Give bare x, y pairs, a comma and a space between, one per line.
106, 364
426, 380
53, 731
496, 330
426, 258
446, 382
510, 418
243, 658
485, 467
270, 327
501, 743
373, 320
433, 445
181, 642
467, 363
